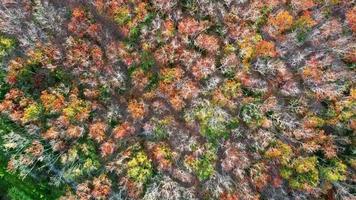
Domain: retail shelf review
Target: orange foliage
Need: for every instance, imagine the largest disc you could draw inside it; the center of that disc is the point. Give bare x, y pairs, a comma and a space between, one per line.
50, 134
107, 148
97, 131
52, 102
302, 4
282, 21
208, 42
160, 155
123, 130
74, 131
190, 26
228, 196
351, 18
266, 48
136, 109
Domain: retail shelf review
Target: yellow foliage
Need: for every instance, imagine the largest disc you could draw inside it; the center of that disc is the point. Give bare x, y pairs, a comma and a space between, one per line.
282, 21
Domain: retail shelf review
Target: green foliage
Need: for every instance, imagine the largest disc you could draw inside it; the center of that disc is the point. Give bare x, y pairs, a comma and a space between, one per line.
217, 28
134, 35
140, 168
84, 159
15, 194
7, 126
135, 32
27, 188
262, 20
189, 5
302, 35
302, 27
229, 73
231, 89
214, 124
351, 66
232, 124
18, 188
153, 82
305, 172
250, 114
334, 171
6, 45
204, 167
33, 79
62, 76
76, 107
4, 87
160, 132
147, 61
104, 93
251, 93
302, 173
